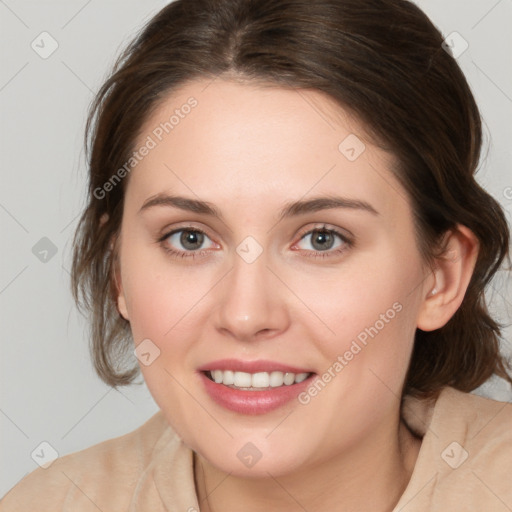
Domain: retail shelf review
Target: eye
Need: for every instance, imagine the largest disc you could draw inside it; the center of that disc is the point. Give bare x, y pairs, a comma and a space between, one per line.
185, 242
323, 239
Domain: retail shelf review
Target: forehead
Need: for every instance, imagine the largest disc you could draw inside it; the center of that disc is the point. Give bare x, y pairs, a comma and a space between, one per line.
222, 140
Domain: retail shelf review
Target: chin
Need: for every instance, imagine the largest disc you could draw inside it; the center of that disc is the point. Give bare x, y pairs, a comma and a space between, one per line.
255, 455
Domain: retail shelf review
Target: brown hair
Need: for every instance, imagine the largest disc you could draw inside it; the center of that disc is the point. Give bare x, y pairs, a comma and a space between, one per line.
380, 59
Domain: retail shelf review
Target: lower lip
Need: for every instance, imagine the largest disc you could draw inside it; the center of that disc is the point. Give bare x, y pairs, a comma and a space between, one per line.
253, 402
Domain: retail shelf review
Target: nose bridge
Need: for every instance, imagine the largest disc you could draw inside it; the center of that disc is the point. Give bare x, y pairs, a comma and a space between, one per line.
251, 302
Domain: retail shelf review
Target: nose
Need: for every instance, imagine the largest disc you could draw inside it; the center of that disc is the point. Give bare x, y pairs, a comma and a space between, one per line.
252, 302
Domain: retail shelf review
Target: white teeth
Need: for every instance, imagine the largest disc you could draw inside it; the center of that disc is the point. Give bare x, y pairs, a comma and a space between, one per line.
259, 380
228, 377
276, 379
289, 378
300, 377
242, 380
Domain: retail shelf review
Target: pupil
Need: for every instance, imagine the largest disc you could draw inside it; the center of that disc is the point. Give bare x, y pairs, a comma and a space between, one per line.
325, 238
191, 239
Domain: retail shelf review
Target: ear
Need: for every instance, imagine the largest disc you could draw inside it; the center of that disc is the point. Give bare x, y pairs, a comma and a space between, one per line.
117, 282
121, 300
447, 285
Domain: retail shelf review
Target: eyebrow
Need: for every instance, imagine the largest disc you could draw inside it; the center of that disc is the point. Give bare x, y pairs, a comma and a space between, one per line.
292, 209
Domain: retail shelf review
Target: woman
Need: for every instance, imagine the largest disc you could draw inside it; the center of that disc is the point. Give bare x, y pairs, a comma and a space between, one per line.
283, 219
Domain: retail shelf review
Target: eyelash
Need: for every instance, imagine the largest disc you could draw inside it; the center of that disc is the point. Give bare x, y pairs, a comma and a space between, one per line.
347, 243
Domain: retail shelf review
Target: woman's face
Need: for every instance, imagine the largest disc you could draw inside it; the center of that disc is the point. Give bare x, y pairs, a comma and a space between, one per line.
262, 242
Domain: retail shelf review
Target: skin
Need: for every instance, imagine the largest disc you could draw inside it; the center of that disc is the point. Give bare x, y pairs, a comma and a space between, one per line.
249, 150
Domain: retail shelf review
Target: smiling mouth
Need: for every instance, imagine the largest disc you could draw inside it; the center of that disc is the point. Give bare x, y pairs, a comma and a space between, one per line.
259, 381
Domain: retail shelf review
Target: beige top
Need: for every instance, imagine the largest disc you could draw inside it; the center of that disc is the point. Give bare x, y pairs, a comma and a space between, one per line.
464, 464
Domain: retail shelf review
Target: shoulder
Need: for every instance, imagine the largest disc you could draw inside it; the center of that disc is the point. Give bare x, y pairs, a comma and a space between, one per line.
481, 426
481, 420
456, 412
103, 473
465, 459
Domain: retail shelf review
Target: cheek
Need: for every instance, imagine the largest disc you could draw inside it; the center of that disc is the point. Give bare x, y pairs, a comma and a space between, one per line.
162, 306
159, 294
366, 313
355, 297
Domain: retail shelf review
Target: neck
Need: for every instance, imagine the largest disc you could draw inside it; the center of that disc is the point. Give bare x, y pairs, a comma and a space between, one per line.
372, 477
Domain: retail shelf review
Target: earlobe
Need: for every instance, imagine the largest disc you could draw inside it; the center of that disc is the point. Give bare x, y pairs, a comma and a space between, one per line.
451, 277
121, 301
121, 307
117, 283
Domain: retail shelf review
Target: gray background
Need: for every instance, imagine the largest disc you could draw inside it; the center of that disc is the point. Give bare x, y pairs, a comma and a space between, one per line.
49, 391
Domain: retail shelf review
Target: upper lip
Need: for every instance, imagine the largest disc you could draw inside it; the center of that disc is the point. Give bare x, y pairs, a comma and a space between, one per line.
239, 365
